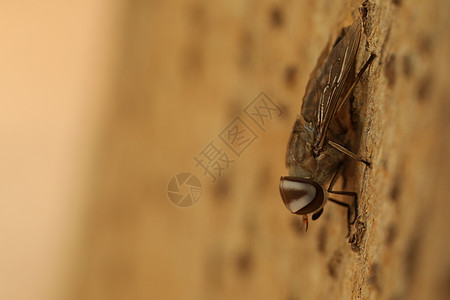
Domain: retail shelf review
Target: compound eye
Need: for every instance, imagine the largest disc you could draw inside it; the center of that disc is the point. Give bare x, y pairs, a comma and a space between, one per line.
301, 196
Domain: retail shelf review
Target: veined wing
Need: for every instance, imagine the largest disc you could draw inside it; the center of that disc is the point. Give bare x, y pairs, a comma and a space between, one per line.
324, 93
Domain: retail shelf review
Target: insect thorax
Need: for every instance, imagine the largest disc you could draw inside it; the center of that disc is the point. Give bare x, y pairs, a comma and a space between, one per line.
300, 159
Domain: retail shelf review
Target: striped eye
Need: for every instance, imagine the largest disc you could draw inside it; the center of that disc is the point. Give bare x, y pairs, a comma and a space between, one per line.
301, 196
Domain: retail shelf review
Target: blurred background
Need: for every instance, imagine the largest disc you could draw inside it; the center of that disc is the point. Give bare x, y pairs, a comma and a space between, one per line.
105, 102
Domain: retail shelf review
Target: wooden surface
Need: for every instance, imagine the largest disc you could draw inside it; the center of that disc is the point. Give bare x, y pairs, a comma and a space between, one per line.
186, 70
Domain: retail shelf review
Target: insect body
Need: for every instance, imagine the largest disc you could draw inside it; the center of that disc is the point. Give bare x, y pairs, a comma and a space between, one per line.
315, 150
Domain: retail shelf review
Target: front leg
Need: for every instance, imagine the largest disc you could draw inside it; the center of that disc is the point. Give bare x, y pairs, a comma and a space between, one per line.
348, 152
345, 193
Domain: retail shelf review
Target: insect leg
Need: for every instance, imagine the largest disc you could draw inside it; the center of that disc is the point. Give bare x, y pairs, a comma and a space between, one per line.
345, 193
355, 203
348, 213
347, 95
347, 152
358, 77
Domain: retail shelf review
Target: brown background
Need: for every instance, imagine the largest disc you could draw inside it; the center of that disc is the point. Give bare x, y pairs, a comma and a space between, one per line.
141, 87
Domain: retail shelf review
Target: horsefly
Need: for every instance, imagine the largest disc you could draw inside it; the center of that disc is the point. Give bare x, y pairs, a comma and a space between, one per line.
315, 150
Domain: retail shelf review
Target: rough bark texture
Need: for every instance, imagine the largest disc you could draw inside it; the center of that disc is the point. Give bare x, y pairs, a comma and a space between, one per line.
188, 69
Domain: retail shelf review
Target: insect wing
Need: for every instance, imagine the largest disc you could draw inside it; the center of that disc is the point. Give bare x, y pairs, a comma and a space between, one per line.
327, 89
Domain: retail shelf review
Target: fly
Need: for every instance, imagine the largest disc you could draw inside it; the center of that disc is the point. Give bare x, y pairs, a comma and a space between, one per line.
315, 150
